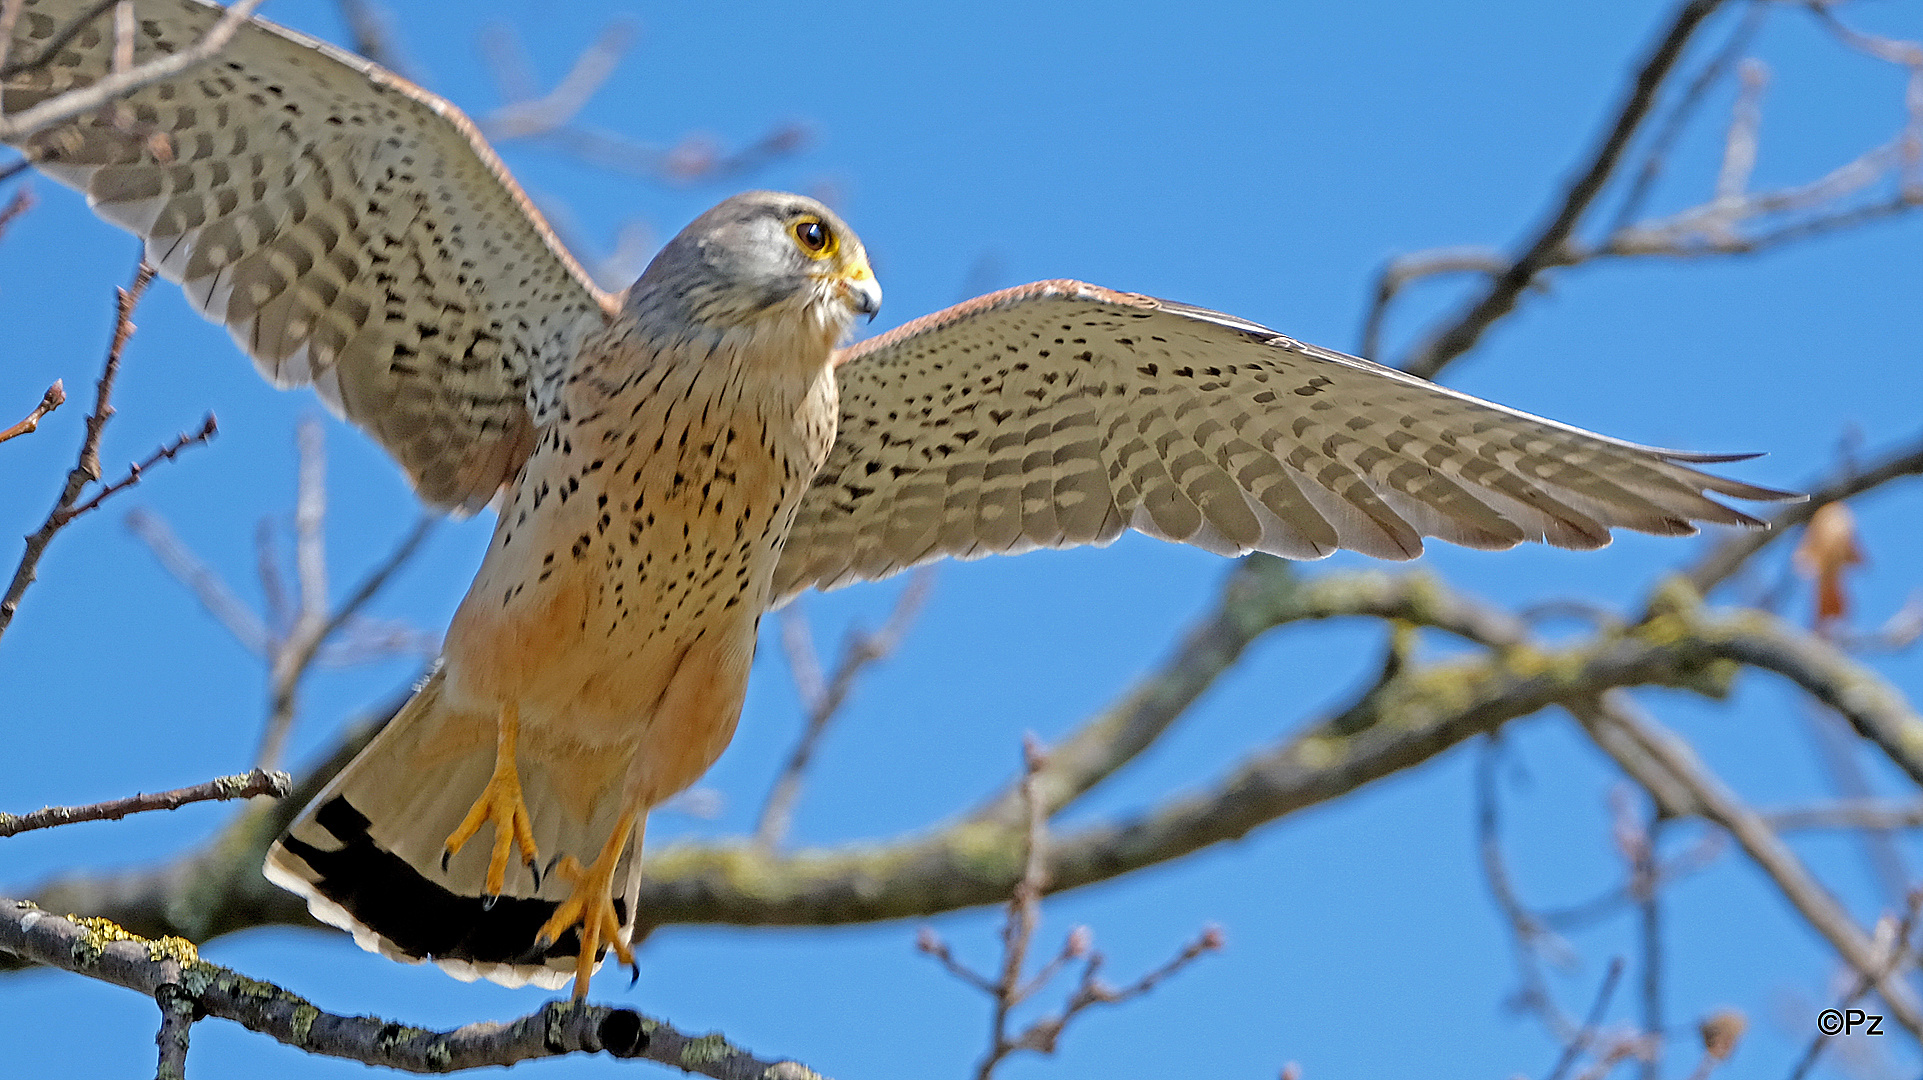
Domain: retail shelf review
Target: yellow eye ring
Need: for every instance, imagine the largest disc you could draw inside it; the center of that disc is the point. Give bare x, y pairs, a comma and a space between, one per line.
814, 237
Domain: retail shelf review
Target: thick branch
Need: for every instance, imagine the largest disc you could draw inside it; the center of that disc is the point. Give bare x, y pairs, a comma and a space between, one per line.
1263, 593
99, 949
1419, 711
238, 786
1872, 705
1415, 715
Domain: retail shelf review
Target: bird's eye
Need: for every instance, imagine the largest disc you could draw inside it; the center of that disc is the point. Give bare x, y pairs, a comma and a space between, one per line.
815, 238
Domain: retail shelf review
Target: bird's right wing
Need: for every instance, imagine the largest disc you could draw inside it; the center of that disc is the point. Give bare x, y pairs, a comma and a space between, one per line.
349, 228
1062, 413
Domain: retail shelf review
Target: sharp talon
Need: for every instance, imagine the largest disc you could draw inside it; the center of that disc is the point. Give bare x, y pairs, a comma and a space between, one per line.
445, 856
552, 863
488, 902
635, 976
536, 871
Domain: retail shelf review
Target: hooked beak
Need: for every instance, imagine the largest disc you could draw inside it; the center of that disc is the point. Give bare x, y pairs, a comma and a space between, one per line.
858, 287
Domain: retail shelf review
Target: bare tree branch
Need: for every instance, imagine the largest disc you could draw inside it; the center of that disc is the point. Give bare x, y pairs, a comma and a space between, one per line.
200, 579
1530, 938
239, 786
291, 657
177, 1016
1732, 221
1885, 814
208, 429
1874, 707
1896, 952
1729, 555
87, 469
1417, 713
1262, 593
101, 950
1711, 799
55, 397
527, 117
1656, 156
20, 203
1586, 1037
372, 34
1542, 252
1011, 987
824, 698
1404, 271
116, 85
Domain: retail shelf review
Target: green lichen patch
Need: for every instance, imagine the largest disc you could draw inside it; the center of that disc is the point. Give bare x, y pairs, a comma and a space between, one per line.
303, 1026
706, 1050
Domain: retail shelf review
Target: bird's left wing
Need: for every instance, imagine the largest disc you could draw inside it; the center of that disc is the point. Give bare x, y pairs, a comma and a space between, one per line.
350, 229
1061, 413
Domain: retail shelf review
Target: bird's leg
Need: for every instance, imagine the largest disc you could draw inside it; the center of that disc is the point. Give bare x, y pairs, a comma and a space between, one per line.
591, 907
500, 803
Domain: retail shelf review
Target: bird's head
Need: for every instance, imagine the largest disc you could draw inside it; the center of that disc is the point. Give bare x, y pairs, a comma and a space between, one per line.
764, 262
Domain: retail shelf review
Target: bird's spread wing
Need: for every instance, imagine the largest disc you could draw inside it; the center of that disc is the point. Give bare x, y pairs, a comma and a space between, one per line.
350, 229
1060, 413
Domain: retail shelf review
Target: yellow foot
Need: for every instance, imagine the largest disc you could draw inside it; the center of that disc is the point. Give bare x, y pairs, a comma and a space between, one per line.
590, 906
500, 804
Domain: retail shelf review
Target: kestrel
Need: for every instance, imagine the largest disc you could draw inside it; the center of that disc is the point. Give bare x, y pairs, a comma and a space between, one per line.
668, 462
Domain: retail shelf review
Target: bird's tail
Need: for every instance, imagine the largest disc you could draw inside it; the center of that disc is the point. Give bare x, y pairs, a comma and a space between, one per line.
367, 854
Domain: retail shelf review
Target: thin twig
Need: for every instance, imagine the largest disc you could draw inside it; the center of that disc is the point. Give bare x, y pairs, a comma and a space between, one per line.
200, 579
208, 429
1639, 842
1009, 988
11, 66
22, 200
1729, 556
1713, 800
372, 35
1400, 273
1586, 1037
101, 950
523, 118
1024, 912
238, 786
294, 656
1896, 955
1529, 938
1707, 849
1656, 156
1506, 288
824, 698
1043, 1035
116, 85
55, 397
87, 469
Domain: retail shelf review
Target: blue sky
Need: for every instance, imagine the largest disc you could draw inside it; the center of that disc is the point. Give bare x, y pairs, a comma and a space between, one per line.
1261, 159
